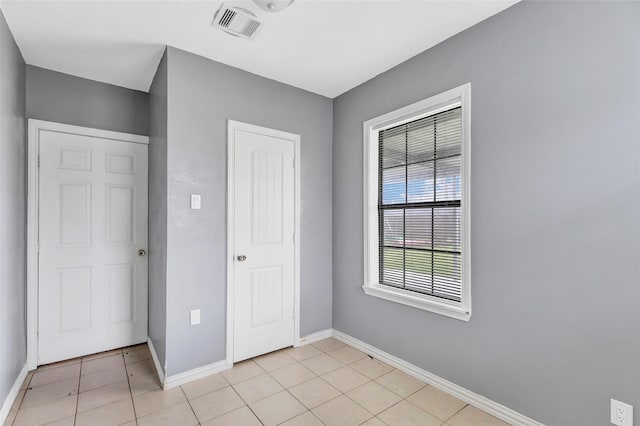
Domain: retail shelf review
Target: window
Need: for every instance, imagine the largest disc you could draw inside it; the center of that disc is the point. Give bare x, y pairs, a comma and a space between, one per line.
417, 205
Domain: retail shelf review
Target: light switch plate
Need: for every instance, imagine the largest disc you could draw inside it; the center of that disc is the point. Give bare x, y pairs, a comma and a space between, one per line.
195, 316
195, 201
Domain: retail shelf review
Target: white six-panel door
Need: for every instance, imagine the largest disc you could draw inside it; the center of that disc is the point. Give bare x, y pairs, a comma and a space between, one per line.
263, 243
92, 282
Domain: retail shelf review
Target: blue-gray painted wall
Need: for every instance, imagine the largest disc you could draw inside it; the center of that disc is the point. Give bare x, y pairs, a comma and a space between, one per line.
13, 202
158, 210
64, 98
555, 125
203, 95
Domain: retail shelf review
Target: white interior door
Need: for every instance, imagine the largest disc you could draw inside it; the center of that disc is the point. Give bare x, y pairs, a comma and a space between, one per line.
263, 242
92, 282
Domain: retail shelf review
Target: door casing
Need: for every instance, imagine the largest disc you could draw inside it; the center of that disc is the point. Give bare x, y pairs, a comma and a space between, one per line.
233, 125
34, 128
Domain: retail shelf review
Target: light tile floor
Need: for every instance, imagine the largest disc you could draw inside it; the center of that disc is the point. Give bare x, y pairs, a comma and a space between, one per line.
326, 383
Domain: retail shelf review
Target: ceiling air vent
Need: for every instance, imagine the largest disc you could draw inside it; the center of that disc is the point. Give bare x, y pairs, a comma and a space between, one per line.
237, 22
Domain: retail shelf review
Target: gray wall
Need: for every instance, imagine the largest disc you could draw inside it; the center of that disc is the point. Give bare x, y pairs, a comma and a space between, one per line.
203, 94
13, 343
64, 98
158, 210
555, 125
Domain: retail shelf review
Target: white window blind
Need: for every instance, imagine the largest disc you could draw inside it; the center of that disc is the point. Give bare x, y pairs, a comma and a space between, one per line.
419, 205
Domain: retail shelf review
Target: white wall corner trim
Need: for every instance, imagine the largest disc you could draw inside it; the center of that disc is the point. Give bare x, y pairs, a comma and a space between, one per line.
491, 407
194, 374
13, 393
314, 337
156, 362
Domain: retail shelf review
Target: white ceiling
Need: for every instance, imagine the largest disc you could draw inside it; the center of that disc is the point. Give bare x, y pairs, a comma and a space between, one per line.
326, 47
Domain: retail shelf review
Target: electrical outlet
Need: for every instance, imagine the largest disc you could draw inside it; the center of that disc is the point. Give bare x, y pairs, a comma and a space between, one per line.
195, 316
621, 413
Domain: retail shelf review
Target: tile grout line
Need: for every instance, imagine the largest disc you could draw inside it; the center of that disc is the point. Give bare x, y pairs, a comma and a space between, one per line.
457, 412
126, 370
75, 415
190, 406
246, 403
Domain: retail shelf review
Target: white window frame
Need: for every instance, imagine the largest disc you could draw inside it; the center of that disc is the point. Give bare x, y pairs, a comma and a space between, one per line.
459, 96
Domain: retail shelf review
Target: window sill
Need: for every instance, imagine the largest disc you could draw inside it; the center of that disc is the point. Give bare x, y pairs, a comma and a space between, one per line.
417, 301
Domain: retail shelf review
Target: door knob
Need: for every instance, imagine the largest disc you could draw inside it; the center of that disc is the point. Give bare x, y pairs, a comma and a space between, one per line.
141, 252
241, 258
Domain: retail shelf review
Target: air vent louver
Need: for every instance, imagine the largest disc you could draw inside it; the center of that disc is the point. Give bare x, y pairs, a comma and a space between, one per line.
237, 22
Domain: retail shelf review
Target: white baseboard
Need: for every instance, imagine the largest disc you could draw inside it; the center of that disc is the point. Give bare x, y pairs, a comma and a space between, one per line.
195, 374
491, 407
13, 393
314, 337
156, 361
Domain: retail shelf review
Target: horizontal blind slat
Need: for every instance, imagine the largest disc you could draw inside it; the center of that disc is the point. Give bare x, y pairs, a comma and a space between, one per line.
419, 212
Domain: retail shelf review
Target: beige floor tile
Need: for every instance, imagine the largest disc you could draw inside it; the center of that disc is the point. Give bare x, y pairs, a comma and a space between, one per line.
102, 378
131, 423
329, 344
471, 416
101, 355
150, 402
274, 361
400, 383
58, 364
374, 397
139, 368
405, 413
50, 392
303, 352
292, 375
216, 403
203, 386
345, 379
13, 411
142, 377
277, 408
257, 388
173, 416
322, 364
374, 421
18, 401
241, 417
114, 363
305, 419
143, 383
67, 421
434, 401
314, 392
242, 371
372, 368
136, 355
25, 383
113, 414
43, 377
103, 396
49, 412
341, 411
347, 354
